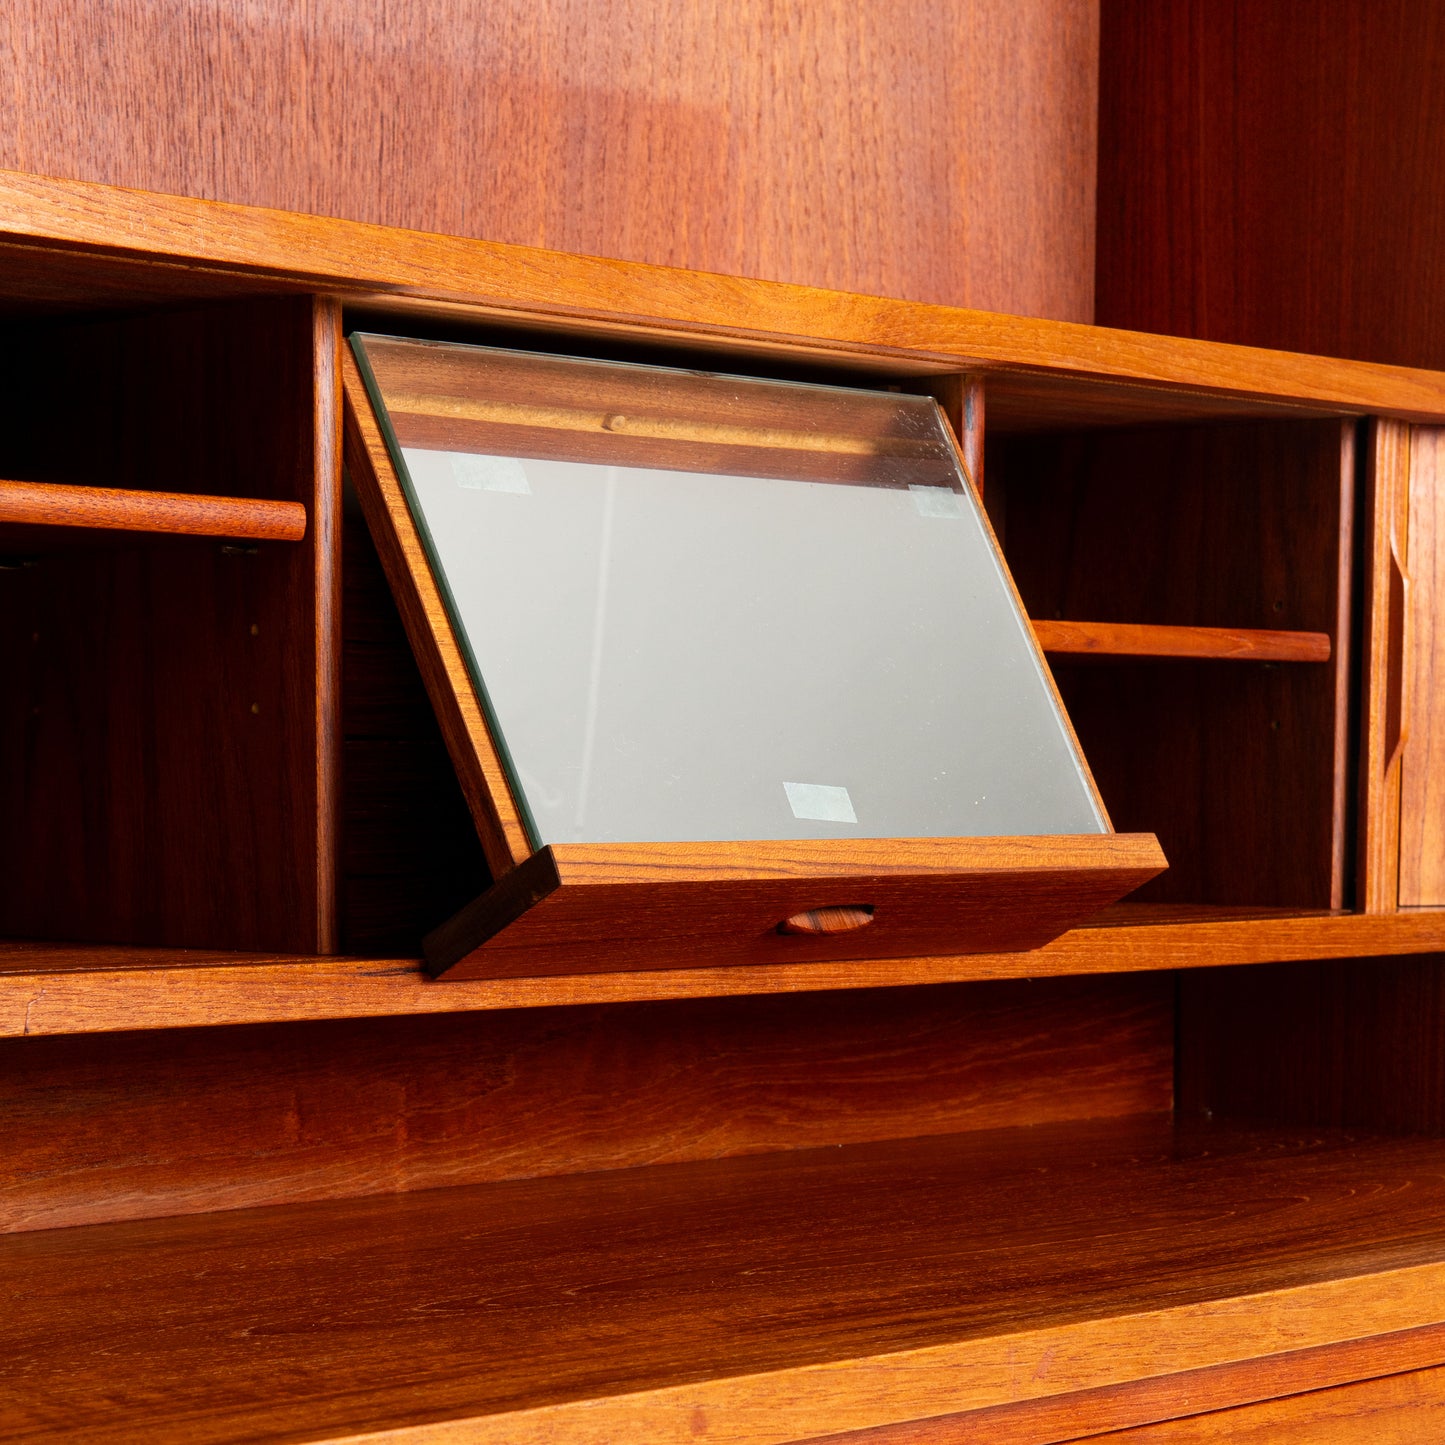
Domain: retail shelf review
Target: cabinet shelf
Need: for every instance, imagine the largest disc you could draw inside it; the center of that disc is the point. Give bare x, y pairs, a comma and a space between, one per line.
1227, 644
80, 988
768, 1298
251, 519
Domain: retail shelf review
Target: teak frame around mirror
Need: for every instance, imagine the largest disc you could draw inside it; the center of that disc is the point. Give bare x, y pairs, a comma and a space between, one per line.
593, 907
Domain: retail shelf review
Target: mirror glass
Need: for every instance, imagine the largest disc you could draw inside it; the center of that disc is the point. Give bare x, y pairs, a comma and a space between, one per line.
700, 607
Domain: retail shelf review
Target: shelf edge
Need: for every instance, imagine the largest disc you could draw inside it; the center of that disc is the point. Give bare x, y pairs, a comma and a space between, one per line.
163, 989
870, 1392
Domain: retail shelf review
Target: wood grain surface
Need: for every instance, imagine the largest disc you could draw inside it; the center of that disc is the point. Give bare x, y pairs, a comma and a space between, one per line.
74, 244
1353, 1042
963, 399
63, 990
136, 1125
326, 472
1087, 1414
1400, 1409
163, 736
751, 1300
1253, 530
592, 907
1242, 194
244, 518
948, 159
1134, 639
1384, 714
1418, 682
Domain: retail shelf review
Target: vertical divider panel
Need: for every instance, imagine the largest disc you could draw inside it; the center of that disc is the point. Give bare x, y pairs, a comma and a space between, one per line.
1343, 633
325, 540
962, 400
1422, 643
1383, 729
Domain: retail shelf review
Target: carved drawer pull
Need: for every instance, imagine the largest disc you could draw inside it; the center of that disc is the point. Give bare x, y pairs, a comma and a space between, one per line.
828, 920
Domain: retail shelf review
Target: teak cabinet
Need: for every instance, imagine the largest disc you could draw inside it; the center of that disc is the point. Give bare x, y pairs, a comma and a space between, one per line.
1176, 1173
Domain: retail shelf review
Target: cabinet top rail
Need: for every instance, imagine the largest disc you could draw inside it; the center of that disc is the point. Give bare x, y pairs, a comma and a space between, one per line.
72, 243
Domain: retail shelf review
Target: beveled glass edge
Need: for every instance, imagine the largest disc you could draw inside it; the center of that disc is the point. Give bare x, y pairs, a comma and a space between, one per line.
357, 341
1030, 637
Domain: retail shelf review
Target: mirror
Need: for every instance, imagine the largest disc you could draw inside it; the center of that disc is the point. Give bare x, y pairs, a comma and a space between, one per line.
699, 607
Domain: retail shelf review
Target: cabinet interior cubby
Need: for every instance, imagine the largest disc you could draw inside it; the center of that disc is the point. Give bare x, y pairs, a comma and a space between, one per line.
1242, 767
264, 1179
164, 774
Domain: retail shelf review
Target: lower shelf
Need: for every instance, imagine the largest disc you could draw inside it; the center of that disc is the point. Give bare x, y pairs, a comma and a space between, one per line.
95, 988
761, 1300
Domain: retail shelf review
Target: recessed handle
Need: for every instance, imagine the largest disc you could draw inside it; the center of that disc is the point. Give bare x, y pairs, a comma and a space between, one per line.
1397, 707
829, 920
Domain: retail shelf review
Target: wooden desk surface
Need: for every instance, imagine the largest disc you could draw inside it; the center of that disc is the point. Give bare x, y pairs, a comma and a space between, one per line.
757, 1300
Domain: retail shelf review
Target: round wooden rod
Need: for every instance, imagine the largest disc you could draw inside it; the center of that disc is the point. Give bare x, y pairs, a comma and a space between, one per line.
1146, 640
246, 518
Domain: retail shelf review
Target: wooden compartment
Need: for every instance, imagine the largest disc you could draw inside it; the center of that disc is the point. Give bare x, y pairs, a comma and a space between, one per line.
168, 740
1234, 746
251, 1192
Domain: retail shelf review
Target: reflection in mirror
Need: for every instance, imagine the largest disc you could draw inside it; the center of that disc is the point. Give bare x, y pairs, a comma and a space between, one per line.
700, 607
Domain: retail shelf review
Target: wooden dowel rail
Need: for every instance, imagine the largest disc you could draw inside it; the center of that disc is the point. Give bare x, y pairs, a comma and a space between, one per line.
1120, 639
251, 519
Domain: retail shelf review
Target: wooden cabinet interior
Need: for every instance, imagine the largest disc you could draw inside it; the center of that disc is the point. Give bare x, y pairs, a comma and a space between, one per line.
254, 1187
161, 679
1243, 772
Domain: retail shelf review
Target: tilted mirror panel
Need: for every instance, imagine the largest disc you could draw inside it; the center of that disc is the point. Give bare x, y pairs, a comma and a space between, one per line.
702, 607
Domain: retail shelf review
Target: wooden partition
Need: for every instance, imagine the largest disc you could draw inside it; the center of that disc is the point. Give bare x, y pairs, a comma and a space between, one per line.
169, 740
1422, 680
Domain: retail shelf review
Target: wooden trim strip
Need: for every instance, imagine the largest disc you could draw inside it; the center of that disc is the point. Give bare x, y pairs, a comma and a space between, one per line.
252, 519
470, 745
1121, 639
91, 989
373, 265
1341, 822
1191, 1393
1387, 509
864, 1393
326, 550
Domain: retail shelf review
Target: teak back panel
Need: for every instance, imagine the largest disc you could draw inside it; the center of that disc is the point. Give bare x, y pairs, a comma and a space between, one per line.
165, 753
1352, 1042
947, 158
137, 1125
1240, 768
1269, 174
